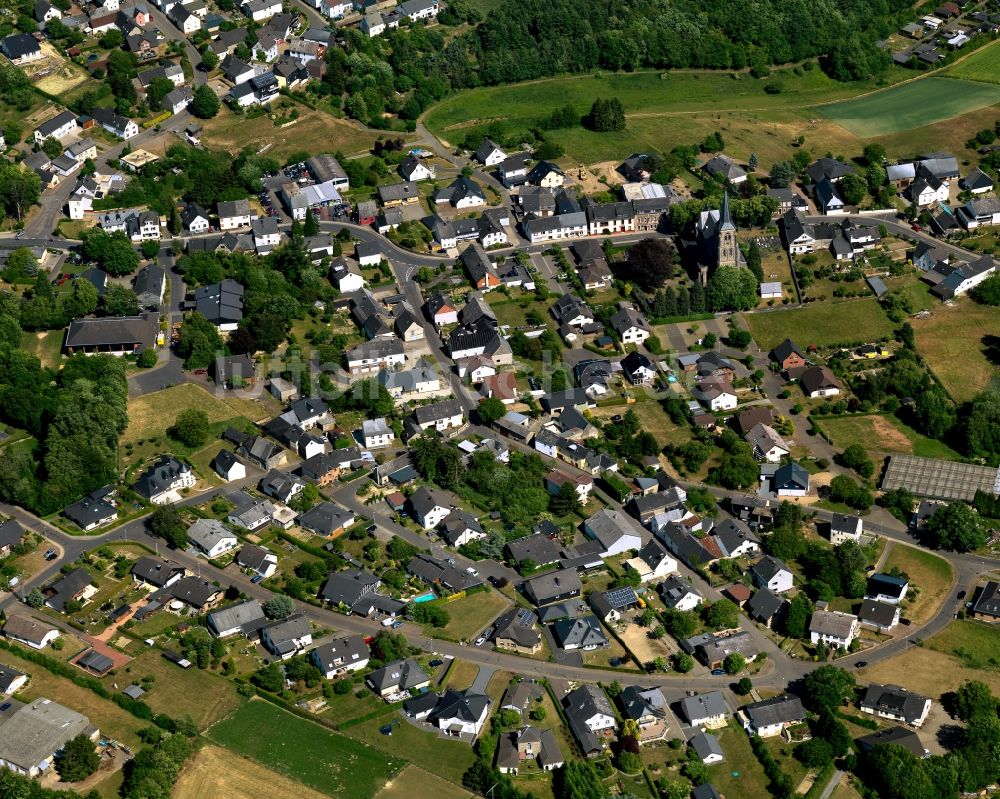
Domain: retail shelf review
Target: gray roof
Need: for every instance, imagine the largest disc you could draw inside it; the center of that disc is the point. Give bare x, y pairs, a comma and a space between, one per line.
326, 518
348, 586
340, 652
113, 331
896, 701
763, 605
27, 628
68, 587
940, 479
552, 586
779, 710
704, 706
285, 632
10, 533
401, 674
674, 589
155, 571
35, 732
988, 601
581, 632
705, 745
581, 705
247, 616
207, 533
638, 702
899, 736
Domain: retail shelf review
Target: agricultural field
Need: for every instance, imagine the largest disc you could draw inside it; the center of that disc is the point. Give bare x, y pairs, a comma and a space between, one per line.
323, 760
314, 132
199, 694
982, 65
886, 433
930, 575
824, 325
951, 340
470, 615
911, 105
413, 781
215, 771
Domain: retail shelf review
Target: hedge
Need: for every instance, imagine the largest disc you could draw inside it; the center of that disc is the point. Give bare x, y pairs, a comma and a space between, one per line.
861, 721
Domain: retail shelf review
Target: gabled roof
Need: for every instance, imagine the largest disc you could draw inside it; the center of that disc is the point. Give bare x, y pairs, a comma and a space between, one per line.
763, 605
768, 567
400, 674
886, 584
779, 710
896, 701
704, 706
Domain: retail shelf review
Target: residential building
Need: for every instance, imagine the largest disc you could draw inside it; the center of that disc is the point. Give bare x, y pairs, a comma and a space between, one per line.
591, 718
515, 631
583, 633
155, 573
767, 444
986, 604
772, 716
257, 559
772, 574
287, 637
708, 710
340, 656
818, 381
376, 433
398, 677
162, 482
551, 587
652, 563
833, 628
528, 744
677, 594
30, 631
845, 528
886, 588
614, 531
75, 586
327, 519
895, 703
32, 734
880, 616
212, 537
791, 480
765, 607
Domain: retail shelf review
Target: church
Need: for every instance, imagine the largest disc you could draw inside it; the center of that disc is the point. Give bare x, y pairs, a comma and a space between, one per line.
716, 241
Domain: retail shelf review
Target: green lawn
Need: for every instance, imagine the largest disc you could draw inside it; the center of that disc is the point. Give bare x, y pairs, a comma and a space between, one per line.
750, 780
46, 346
983, 65
884, 433
470, 615
930, 580
912, 105
306, 752
976, 644
822, 324
448, 759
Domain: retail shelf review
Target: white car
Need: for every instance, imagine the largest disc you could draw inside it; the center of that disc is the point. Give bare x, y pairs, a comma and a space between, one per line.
481, 640
472, 571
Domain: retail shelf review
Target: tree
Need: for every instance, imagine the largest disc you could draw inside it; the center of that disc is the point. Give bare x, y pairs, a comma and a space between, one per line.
209, 60
150, 248
205, 104
797, 616
683, 662
974, 698
814, 753
852, 189
270, 678
744, 686
490, 410
118, 300
21, 264
649, 263
899, 502
722, 615
191, 427
739, 470
731, 289
157, 89
78, 759
279, 606
874, 154
19, 189
578, 779
782, 174
310, 226
828, 688
734, 663
537, 713
508, 718
629, 762
856, 457
566, 501
199, 342
606, 115
35, 599
147, 359
987, 292
955, 526
166, 523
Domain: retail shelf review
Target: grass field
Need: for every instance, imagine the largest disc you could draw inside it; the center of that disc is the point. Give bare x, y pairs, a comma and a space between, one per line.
306, 752
912, 105
102, 713
824, 325
976, 645
884, 434
471, 615
930, 574
314, 132
928, 672
461, 675
951, 341
447, 759
740, 759
215, 771
663, 110
983, 65
413, 781
46, 346
198, 693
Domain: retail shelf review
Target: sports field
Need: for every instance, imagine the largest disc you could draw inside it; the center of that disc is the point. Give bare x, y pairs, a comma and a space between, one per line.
823, 324
983, 65
330, 763
911, 105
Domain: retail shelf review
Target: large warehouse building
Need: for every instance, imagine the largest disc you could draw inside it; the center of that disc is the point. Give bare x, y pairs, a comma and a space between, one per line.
939, 479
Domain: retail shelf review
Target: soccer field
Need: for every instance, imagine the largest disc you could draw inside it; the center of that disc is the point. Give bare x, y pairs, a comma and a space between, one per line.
912, 105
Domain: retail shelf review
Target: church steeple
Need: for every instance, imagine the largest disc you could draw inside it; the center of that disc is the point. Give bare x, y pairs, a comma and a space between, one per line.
726, 222
727, 252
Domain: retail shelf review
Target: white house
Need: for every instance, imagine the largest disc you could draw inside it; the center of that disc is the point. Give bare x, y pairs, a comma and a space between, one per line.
772, 716
60, 127
614, 531
212, 537
462, 713
928, 190
771, 573
341, 655
347, 281
845, 528
767, 445
833, 628
631, 326
266, 235
260, 10
32, 632
258, 560
717, 395
377, 433
895, 703
419, 9
706, 710
430, 507
653, 562
228, 466
489, 153
413, 169
234, 214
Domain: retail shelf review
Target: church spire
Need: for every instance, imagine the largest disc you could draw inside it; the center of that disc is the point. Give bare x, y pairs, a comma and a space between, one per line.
726, 222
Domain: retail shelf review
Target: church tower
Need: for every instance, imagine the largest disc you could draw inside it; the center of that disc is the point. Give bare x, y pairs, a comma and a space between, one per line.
728, 252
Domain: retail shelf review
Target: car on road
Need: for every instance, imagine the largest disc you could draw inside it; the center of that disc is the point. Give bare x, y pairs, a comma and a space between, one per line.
861, 664
257, 578
869, 568
435, 663
718, 672
51, 554
962, 594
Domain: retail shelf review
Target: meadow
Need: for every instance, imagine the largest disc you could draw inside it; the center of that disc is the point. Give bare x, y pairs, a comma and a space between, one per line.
824, 325
983, 65
884, 434
911, 105
305, 752
930, 575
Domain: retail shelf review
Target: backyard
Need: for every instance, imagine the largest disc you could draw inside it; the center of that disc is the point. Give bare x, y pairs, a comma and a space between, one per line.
470, 615
306, 752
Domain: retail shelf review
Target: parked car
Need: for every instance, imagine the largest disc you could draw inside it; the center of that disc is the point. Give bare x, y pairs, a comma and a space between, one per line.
51, 554
472, 571
861, 664
962, 594
718, 672
481, 640
435, 663
257, 578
